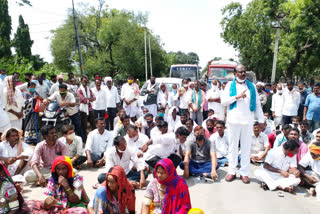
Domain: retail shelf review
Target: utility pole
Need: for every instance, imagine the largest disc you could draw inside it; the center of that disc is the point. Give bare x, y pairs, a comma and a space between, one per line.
275, 56
77, 39
145, 54
150, 56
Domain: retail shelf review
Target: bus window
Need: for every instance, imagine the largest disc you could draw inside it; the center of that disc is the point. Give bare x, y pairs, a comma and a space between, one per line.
216, 72
229, 72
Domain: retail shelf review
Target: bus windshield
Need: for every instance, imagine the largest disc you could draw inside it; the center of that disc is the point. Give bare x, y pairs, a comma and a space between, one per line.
216, 72
229, 72
184, 72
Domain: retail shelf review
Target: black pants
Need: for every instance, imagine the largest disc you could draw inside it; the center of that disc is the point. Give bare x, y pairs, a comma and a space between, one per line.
79, 161
286, 120
205, 116
84, 122
175, 159
98, 113
112, 112
76, 121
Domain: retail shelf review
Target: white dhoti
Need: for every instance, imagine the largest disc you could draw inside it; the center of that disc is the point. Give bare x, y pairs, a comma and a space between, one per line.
316, 185
16, 124
273, 180
277, 121
131, 111
153, 109
243, 133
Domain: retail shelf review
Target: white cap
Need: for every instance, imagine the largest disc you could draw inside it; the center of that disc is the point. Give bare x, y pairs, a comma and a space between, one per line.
260, 83
106, 79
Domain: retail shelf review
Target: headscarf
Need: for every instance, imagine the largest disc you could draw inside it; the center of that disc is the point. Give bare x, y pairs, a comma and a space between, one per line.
60, 76
126, 195
233, 92
63, 160
314, 149
106, 79
10, 90
177, 198
19, 145
20, 199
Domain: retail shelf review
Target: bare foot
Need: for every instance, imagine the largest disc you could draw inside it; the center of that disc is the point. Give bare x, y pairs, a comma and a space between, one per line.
312, 191
289, 189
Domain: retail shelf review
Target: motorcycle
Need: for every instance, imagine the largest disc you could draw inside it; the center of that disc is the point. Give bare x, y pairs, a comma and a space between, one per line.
56, 115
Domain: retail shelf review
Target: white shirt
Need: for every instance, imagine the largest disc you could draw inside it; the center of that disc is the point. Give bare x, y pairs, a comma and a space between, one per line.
221, 144
155, 132
162, 99
259, 143
307, 160
7, 151
75, 148
20, 104
128, 93
218, 109
127, 161
112, 97
43, 90
162, 146
291, 102
4, 118
278, 160
241, 114
23, 88
101, 100
173, 97
185, 98
98, 143
69, 98
277, 104
136, 143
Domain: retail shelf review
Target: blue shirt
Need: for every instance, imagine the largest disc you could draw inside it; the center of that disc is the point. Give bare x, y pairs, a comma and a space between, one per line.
313, 104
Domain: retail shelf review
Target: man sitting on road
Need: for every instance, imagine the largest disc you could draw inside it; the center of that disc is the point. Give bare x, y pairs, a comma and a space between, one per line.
220, 142
309, 167
280, 168
306, 135
260, 144
120, 154
74, 144
135, 140
122, 130
43, 156
97, 143
200, 159
149, 125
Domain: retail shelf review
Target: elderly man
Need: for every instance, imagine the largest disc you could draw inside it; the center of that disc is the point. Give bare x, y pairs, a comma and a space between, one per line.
262, 93
196, 103
130, 95
151, 93
280, 168
243, 104
277, 105
309, 167
14, 153
312, 108
14, 101
112, 102
184, 96
44, 154
291, 101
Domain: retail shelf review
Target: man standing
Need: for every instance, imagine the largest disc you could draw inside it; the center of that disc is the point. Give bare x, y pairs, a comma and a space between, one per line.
242, 101
151, 93
214, 101
196, 103
129, 95
99, 105
113, 102
291, 101
184, 93
43, 88
86, 96
267, 106
262, 94
312, 108
303, 96
277, 105
44, 154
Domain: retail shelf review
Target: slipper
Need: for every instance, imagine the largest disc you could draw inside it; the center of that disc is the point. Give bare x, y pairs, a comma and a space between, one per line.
280, 194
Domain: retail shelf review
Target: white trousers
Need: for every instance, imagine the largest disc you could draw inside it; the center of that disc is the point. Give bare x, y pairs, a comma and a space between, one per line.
316, 185
242, 133
273, 180
16, 124
277, 121
153, 109
131, 111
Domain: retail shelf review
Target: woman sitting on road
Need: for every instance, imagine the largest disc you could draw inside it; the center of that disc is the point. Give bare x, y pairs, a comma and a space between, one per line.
65, 189
115, 196
167, 193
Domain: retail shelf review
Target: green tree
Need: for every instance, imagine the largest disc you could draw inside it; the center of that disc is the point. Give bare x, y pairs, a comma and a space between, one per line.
5, 30
22, 41
183, 58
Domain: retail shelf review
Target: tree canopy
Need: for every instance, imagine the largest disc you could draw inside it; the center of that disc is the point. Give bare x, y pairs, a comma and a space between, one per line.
22, 41
5, 30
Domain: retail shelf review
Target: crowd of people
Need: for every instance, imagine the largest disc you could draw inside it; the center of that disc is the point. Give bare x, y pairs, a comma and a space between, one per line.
197, 127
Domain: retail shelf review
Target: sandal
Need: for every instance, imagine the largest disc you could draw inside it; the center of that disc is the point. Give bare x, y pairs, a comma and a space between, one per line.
280, 194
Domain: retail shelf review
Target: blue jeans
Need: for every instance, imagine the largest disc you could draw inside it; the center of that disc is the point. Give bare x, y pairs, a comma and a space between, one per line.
197, 169
313, 125
222, 162
95, 157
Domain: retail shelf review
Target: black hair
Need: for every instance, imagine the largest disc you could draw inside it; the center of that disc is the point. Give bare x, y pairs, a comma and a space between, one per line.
10, 131
189, 79
290, 82
210, 120
31, 83
295, 130
161, 109
148, 115
70, 73
98, 119
182, 131
211, 110
304, 122
267, 84
16, 73
286, 127
63, 86
184, 115
317, 84
162, 124
117, 140
221, 123
256, 123
28, 74
190, 120
3, 70
84, 76
123, 117
53, 76
45, 130
159, 118
291, 145
130, 126
67, 128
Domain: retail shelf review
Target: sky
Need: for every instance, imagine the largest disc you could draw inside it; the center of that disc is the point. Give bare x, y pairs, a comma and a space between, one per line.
183, 25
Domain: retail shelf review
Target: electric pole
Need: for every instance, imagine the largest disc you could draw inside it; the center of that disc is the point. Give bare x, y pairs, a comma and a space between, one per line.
275, 56
145, 53
78, 45
150, 56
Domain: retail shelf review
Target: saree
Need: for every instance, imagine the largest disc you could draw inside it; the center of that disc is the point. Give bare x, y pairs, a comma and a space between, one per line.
31, 119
